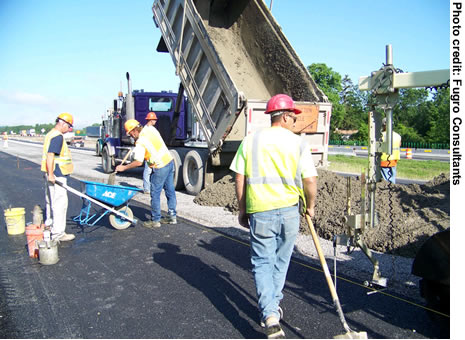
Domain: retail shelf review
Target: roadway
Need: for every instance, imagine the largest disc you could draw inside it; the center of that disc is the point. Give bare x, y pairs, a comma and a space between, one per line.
417, 154
181, 281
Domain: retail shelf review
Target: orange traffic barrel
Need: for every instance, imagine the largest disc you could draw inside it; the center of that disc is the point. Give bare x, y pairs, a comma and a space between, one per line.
409, 153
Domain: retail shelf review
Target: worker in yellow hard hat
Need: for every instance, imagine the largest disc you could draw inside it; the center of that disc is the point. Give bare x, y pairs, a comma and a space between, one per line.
5, 140
151, 148
57, 166
274, 168
151, 119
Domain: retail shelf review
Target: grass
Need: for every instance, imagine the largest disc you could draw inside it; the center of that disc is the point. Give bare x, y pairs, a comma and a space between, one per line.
406, 168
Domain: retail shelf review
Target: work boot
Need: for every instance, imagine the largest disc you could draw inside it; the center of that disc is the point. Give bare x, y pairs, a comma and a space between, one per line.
169, 220
273, 329
281, 315
65, 237
151, 224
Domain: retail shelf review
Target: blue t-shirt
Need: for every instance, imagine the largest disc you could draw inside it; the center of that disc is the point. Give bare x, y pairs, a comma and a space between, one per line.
56, 143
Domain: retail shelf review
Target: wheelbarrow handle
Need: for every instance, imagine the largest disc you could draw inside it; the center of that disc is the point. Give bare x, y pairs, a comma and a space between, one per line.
80, 194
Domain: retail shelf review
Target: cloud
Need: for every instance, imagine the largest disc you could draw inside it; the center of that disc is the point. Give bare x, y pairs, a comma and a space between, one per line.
19, 107
23, 98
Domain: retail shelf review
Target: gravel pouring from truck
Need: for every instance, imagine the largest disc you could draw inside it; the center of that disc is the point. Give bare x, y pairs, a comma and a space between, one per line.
231, 57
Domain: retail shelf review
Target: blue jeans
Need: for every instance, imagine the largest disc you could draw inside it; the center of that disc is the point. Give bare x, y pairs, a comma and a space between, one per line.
272, 237
146, 177
389, 174
162, 179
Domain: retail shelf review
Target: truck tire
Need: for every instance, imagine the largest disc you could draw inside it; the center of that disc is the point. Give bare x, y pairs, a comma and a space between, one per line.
178, 178
108, 161
97, 149
193, 171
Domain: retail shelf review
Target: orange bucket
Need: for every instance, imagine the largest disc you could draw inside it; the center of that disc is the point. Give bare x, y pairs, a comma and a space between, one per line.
34, 233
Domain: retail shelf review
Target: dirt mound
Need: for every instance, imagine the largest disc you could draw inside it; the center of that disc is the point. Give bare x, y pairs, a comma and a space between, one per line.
408, 214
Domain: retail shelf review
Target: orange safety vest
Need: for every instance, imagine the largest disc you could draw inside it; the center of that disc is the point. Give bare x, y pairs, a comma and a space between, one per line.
63, 160
157, 154
389, 161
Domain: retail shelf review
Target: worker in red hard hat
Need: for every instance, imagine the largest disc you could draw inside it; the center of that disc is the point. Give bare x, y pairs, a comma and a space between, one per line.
57, 166
274, 169
151, 148
151, 119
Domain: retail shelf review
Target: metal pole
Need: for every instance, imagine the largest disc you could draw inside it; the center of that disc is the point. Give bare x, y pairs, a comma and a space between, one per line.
388, 54
389, 61
271, 4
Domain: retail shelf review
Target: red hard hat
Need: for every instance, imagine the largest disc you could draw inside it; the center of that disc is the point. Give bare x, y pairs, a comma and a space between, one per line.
281, 102
151, 116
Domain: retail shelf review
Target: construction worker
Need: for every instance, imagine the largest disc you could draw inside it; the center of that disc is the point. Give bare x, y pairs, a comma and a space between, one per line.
57, 166
151, 119
274, 168
151, 148
389, 162
5, 140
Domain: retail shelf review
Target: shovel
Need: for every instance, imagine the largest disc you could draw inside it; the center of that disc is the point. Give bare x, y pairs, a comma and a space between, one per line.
350, 334
111, 178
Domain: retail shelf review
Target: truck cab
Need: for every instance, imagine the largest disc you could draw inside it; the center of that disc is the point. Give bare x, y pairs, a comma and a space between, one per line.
174, 124
163, 104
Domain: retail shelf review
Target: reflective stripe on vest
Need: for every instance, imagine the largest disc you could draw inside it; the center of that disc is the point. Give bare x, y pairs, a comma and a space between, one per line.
63, 160
265, 192
157, 154
395, 156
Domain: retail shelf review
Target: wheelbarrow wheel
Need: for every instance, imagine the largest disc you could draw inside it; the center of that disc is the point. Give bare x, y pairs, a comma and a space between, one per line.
120, 223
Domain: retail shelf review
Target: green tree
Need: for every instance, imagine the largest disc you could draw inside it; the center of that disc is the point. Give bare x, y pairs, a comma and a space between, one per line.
355, 103
329, 82
411, 110
362, 134
440, 117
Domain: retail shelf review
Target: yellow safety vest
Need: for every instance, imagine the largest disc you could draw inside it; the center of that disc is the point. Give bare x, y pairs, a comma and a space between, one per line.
157, 154
274, 173
63, 160
388, 161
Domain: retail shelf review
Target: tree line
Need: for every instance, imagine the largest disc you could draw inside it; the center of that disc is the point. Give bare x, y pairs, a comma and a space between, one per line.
37, 127
420, 116
18, 128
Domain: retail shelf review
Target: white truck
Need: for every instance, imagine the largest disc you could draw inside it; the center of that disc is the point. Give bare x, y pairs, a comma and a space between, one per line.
231, 57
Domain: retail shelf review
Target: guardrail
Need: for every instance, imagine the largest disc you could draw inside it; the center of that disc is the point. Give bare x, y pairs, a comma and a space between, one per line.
413, 145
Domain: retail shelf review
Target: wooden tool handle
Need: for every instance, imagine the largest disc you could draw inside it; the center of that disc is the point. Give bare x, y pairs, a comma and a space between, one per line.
125, 158
316, 241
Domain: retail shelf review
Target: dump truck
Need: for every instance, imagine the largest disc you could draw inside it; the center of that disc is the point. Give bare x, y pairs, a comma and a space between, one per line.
231, 58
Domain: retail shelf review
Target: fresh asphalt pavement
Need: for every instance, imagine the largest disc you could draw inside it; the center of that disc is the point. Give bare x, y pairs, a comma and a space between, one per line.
178, 281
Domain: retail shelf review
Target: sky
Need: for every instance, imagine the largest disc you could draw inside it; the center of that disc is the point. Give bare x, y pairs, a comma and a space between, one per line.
72, 56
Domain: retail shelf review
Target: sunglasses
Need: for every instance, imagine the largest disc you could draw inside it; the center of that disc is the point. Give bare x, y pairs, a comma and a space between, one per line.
294, 117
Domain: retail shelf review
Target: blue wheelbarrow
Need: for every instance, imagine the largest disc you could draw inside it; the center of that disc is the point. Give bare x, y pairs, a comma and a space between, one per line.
114, 199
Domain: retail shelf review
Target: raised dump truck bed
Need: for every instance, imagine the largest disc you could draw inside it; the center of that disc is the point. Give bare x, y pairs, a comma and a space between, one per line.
231, 57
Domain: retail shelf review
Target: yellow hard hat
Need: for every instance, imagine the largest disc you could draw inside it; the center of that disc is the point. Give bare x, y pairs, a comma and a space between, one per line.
66, 117
130, 125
